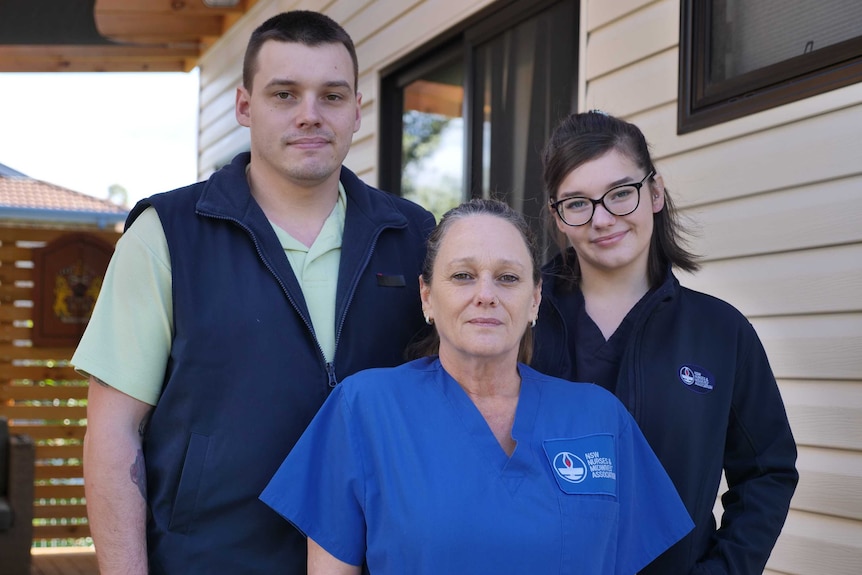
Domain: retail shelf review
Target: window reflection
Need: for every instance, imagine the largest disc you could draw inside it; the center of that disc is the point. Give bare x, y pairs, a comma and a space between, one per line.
432, 151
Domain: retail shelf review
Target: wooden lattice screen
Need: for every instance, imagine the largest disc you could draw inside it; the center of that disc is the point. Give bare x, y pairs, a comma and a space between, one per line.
39, 392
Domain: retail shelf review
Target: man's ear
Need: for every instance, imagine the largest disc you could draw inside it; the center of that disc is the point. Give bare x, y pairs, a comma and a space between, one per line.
243, 113
357, 123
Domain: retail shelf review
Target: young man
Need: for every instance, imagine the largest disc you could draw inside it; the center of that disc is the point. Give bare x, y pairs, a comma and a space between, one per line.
230, 310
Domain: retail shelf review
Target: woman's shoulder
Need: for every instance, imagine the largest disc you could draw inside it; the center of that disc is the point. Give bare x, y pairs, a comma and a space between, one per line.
706, 306
565, 389
384, 379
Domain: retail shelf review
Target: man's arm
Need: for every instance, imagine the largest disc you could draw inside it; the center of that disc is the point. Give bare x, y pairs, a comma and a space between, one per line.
115, 479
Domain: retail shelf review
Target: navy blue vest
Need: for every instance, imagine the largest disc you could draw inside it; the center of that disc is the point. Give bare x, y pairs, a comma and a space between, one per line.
246, 374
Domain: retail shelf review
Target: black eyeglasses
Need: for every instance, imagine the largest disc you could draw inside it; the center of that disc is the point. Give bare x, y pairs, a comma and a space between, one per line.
619, 201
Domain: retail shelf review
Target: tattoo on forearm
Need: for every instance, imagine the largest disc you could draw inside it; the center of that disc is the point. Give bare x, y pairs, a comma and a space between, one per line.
138, 473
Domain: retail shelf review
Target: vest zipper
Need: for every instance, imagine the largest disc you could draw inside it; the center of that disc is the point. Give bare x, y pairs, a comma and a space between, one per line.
330, 373
330, 366
353, 291
330, 370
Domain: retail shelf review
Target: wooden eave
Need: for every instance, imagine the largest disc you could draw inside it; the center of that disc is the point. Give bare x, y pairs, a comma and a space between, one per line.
136, 36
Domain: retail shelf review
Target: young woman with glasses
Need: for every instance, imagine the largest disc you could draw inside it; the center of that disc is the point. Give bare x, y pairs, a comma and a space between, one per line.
689, 367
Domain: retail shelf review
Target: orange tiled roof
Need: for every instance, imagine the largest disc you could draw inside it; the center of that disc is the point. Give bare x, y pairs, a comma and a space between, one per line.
24, 192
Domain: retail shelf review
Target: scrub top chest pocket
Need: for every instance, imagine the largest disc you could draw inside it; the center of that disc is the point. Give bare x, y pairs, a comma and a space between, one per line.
584, 469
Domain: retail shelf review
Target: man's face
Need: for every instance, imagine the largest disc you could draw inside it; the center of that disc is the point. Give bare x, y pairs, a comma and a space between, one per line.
302, 111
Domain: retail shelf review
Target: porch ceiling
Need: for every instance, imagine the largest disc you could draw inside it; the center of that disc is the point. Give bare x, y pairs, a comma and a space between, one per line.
111, 35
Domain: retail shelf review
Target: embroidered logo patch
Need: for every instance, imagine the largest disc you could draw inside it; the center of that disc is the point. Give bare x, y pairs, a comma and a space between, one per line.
696, 378
570, 467
584, 465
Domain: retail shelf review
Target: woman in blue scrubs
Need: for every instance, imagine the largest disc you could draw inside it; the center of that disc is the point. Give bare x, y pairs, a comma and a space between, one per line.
467, 461
689, 367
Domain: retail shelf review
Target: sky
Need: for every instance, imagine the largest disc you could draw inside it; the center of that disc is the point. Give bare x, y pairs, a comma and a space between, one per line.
89, 131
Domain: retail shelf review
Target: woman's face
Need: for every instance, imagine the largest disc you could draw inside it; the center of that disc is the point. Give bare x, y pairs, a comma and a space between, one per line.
481, 297
610, 244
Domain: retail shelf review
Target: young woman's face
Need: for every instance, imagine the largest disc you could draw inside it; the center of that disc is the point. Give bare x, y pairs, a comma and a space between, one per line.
610, 244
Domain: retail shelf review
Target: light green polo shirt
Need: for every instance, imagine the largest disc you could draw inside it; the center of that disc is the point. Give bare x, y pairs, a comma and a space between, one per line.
128, 339
316, 268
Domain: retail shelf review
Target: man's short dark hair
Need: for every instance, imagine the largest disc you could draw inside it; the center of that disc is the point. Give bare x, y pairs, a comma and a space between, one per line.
300, 26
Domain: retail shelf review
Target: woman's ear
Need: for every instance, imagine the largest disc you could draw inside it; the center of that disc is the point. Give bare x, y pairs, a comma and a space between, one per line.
656, 188
424, 292
537, 296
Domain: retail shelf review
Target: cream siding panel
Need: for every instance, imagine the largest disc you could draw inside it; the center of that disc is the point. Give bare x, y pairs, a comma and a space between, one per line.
218, 108
374, 17
224, 81
650, 31
827, 280
368, 176
222, 151
650, 83
583, 35
343, 10
368, 127
816, 149
660, 124
368, 83
825, 413
221, 128
813, 544
813, 346
829, 481
362, 157
822, 214
414, 28
602, 12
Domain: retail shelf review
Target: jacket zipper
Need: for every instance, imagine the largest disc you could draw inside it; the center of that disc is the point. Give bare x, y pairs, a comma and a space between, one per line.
636, 391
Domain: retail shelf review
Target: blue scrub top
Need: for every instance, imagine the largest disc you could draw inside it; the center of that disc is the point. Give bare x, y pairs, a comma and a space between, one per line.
400, 469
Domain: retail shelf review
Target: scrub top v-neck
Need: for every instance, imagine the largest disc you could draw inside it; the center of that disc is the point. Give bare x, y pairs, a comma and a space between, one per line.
510, 468
400, 470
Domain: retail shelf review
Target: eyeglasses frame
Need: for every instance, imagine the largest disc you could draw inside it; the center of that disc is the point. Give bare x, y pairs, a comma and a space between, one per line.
555, 206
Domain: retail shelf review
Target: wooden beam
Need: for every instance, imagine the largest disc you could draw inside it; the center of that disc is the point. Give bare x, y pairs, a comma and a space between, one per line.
68, 58
182, 7
146, 27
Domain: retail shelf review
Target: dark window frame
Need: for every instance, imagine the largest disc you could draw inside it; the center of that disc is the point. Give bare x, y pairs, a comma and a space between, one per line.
702, 105
390, 127
461, 38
